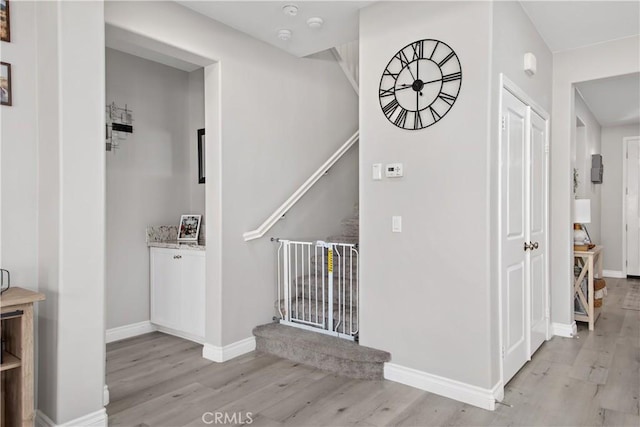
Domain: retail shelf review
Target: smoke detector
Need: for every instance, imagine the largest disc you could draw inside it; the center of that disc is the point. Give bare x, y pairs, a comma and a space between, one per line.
290, 9
284, 35
315, 23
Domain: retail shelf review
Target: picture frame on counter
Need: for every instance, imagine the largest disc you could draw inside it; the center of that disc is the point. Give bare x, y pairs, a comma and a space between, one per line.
189, 228
5, 83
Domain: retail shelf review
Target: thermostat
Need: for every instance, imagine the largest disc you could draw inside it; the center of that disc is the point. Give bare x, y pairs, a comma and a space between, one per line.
393, 170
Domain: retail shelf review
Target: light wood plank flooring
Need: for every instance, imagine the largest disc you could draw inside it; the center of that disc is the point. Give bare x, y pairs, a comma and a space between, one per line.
593, 380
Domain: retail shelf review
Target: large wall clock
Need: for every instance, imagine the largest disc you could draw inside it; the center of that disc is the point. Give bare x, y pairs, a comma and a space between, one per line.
420, 84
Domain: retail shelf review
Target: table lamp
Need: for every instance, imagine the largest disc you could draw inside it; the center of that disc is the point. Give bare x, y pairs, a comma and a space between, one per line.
581, 216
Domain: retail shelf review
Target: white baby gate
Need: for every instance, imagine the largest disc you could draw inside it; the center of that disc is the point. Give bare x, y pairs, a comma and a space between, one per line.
318, 287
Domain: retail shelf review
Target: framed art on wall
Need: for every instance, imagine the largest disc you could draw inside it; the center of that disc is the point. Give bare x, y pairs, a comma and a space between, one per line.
5, 24
5, 83
201, 177
189, 228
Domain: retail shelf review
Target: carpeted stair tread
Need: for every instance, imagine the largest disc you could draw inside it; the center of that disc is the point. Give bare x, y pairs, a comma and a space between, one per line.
321, 343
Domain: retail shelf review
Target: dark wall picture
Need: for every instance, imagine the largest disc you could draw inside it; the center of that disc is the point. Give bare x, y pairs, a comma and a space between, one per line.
201, 177
5, 25
5, 83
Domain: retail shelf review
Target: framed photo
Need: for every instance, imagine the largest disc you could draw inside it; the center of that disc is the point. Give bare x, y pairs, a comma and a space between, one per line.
189, 228
5, 83
201, 177
5, 24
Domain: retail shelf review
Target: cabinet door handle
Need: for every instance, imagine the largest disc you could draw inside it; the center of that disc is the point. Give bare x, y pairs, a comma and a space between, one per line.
527, 246
177, 256
535, 245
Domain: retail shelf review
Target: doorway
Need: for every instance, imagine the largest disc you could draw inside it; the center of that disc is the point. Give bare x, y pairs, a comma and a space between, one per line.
631, 211
524, 193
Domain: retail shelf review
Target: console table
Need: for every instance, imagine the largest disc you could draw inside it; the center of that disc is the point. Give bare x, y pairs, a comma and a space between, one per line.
16, 328
591, 263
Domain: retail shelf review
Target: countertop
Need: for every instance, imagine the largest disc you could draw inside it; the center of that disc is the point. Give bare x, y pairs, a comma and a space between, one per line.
174, 244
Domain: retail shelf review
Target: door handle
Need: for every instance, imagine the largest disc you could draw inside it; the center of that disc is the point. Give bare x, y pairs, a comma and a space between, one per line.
528, 246
534, 245
177, 256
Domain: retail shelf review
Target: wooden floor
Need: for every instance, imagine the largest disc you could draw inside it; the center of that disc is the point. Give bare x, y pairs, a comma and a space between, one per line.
593, 380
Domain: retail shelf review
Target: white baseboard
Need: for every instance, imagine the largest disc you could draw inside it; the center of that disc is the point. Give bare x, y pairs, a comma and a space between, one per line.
128, 331
105, 396
564, 330
614, 274
228, 352
179, 334
463, 392
94, 419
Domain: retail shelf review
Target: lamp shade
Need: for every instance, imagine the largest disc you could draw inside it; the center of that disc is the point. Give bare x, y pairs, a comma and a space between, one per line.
582, 211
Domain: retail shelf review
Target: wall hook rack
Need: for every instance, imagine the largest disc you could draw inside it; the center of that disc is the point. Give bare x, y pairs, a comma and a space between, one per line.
119, 125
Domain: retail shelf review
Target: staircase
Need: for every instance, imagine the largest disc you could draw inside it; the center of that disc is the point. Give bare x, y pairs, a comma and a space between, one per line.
318, 286
311, 311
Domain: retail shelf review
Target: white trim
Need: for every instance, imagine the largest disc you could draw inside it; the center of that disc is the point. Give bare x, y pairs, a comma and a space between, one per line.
228, 352
301, 191
105, 396
94, 419
179, 334
128, 331
473, 395
614, 274
522, 96
564, 330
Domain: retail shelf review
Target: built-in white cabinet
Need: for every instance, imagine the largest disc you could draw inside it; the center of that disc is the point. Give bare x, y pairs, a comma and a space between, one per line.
177, 291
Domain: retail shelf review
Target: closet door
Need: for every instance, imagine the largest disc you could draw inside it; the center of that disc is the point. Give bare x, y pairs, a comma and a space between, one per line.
514, 300
537, 225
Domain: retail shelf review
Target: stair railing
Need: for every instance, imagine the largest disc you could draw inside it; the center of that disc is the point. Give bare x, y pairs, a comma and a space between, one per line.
318, 287
301, 191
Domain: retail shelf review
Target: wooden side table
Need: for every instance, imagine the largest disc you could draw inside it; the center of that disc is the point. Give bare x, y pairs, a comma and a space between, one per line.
591, 263
16, 328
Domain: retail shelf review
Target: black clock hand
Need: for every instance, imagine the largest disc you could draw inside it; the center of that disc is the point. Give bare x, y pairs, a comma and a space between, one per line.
433, 81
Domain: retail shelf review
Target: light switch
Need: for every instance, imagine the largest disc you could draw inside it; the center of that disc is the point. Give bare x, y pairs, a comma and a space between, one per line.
396, 224
376, 171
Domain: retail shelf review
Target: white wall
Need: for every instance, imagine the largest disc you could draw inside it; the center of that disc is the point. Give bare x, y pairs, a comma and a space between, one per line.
18, 151
421, 300
573, 66
611, 217
150, 178
71, 209
279, 119
587, 142
513, 36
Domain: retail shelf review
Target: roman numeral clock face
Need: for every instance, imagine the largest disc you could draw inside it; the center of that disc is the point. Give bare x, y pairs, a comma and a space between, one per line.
420, 84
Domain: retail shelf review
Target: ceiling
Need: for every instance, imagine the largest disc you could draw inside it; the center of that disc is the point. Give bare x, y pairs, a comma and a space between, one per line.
263, 19
613, 101
571, 24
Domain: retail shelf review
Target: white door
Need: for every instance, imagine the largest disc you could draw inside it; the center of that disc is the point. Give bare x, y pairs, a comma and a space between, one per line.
538, 167
165, 288
193, 283
632, 211
513, 235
